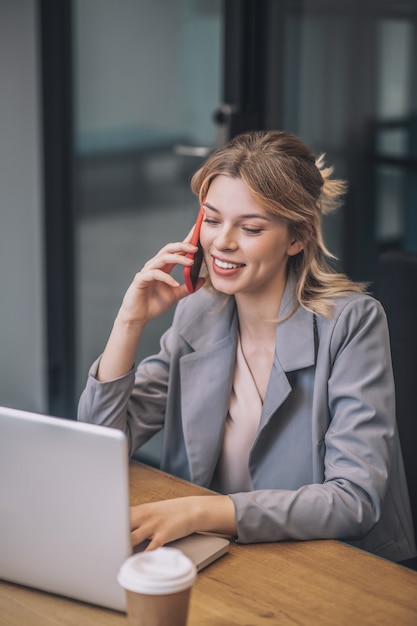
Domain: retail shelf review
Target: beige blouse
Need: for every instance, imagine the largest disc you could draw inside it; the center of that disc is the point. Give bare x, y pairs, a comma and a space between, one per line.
242, 423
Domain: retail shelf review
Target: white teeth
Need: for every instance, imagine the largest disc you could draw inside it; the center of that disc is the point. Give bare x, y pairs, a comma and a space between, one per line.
227, 266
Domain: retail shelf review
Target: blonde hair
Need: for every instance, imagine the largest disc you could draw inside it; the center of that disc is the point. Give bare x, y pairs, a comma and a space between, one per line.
285, 179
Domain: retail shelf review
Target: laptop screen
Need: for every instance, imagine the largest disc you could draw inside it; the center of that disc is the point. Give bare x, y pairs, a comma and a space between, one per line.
64, 506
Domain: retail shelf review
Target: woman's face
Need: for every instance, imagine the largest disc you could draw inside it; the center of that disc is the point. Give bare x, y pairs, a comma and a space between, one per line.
245, 248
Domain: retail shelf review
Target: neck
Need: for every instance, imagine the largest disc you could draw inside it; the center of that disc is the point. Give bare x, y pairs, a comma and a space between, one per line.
257, 320
259, 308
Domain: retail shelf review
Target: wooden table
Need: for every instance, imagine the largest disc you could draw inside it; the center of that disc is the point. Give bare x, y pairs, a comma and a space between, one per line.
314, 582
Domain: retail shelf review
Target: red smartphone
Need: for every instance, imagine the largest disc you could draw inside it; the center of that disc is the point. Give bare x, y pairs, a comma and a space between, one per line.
192, 272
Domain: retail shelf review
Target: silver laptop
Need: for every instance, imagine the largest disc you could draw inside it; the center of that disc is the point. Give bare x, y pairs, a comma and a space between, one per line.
64, 508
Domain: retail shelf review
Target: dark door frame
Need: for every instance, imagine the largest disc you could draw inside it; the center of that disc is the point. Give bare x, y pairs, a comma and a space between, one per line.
55, 19
248, 45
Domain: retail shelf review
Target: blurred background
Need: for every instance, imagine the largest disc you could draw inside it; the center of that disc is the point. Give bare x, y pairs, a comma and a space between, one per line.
107, 107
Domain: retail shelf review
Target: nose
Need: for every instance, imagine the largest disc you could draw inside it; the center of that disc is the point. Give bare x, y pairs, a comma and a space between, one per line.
225, 239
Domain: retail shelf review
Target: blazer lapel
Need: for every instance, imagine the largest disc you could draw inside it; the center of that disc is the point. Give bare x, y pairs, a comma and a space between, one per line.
294, 349
207, 376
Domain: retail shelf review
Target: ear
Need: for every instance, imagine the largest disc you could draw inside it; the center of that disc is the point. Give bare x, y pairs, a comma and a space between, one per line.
299, 240
295, 246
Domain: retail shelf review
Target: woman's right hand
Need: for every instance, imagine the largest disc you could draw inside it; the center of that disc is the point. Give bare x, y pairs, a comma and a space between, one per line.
153, 290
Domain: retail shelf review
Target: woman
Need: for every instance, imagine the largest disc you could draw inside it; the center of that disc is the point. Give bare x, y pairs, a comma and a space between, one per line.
274, 383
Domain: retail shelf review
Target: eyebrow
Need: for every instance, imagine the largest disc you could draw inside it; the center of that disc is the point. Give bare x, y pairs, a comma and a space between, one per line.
245, 216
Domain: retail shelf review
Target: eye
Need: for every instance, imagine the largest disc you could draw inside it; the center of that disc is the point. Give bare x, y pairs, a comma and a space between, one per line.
252, 231
210, 221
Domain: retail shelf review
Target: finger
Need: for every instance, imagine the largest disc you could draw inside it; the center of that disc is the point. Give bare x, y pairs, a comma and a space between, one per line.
142, 279
182, 291
150, 540
139, 533
153, 544
179, 247
168, 260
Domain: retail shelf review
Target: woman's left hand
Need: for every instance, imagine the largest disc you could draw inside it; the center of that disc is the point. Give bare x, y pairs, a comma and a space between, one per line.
167, 520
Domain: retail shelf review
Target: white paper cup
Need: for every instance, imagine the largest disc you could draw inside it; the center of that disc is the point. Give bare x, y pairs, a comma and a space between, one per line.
158, 587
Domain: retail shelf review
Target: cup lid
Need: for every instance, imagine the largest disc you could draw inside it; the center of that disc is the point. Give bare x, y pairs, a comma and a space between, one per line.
159, 571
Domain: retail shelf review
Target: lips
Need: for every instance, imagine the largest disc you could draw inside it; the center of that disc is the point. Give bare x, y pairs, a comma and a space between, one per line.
226, 269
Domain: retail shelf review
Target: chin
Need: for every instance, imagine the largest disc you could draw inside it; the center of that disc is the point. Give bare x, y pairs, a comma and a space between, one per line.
229, 290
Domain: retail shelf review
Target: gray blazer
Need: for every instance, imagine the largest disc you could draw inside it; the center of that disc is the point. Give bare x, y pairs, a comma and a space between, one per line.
326, 462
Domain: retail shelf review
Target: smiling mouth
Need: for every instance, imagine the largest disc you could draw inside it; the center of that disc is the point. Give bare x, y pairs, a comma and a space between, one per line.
225, 265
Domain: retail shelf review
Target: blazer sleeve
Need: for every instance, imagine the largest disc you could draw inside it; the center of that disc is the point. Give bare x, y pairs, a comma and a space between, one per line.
134, 403
354, 372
